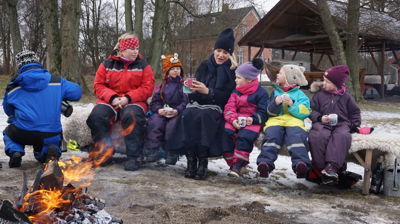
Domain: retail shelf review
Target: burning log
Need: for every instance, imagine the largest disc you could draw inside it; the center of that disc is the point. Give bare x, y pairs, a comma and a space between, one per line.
52, 177
9, 215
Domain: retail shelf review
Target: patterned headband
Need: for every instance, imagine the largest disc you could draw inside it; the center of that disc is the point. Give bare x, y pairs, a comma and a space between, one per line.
128, 43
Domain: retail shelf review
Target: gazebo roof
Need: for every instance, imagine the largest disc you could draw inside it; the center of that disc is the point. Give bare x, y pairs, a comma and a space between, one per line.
296, 25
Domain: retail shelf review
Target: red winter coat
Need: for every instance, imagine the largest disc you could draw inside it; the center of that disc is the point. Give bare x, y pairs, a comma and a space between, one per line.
116, 78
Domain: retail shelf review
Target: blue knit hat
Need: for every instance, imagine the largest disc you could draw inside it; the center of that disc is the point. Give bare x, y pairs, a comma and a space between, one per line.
225, 41
250, 70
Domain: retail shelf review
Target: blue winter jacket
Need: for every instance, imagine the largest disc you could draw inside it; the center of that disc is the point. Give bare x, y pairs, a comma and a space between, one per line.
33, 99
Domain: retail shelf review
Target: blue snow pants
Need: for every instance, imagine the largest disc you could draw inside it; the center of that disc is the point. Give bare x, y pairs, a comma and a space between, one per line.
295, 139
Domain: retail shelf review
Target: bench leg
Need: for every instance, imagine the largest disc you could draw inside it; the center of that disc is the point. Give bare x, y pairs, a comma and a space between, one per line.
367, 172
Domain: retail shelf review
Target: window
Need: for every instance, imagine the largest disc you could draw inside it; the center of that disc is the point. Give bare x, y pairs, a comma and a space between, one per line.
243, 30
240, 56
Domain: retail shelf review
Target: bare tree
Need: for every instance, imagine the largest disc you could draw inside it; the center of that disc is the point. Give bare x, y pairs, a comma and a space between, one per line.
330, 29
5, 38
159, 23
352, 46
69, 41
116, 6
139, 11
14, 25
128, 16
52, 31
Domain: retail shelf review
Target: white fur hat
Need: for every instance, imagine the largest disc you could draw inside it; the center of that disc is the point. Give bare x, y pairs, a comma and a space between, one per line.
295, 75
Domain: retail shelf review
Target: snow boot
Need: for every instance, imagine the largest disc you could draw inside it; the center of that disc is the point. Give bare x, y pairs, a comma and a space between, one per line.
172, 158
301, 170
264, 169
52, 153
329, 175
237, 167
201, 173
15, 160
131, 165
191, 169
151, 155
348, 179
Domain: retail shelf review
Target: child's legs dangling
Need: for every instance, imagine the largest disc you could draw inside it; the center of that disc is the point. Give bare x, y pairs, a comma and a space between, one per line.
296, 143
318, 138
228, 143
154, 137
338, 147
272, 144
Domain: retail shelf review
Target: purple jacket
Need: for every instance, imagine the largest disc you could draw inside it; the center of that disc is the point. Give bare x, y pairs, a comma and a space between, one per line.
324, 103
173, 96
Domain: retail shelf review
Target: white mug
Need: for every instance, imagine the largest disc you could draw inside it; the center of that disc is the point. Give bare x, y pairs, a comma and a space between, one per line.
333, 119
242, 121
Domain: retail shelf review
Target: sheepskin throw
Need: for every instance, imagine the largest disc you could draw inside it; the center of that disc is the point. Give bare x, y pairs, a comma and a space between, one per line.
385, 142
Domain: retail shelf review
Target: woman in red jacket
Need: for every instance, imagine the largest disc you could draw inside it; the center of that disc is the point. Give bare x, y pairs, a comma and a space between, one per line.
123, 83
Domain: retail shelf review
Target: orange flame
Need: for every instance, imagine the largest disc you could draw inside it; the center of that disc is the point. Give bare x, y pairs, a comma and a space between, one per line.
45, 201
78, 171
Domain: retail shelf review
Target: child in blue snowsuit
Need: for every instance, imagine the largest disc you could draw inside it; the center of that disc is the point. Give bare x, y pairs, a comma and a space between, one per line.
287, 109
32, 102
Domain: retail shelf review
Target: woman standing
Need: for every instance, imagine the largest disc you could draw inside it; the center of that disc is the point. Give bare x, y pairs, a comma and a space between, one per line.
123, 83
200, 127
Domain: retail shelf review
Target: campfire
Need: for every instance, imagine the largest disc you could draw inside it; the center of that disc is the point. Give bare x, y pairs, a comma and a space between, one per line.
58, 193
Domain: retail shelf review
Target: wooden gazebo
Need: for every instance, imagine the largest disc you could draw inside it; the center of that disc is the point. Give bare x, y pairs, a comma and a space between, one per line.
296, 25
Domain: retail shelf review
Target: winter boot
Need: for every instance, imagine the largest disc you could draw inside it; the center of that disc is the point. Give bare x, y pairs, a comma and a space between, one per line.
201, 173
264, 169
15, 160
52, 153
151, 155
237, 167
191, 169
131, 165
348, 179
172, 158
301, 170
329, 175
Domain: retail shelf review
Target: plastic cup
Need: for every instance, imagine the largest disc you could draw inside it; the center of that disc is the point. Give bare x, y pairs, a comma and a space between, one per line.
333, 119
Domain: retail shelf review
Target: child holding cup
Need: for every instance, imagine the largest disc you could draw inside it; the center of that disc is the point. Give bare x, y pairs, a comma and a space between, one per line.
335, 115
287, 109
244, 113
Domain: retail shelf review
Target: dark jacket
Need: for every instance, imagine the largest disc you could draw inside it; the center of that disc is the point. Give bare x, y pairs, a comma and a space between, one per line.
219, 79
324, 103
172, 95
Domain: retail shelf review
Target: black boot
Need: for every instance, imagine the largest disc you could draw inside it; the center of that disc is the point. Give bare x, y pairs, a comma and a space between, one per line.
191, 169
201, 173
131, 165
237, 166
15, 160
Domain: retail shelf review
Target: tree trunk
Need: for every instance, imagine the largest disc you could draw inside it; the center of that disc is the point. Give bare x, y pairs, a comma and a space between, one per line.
159, 22
5, 40
330, 29
128, 16
116, 6
70, 66
353, 17
14, 25
138, 26
52, 32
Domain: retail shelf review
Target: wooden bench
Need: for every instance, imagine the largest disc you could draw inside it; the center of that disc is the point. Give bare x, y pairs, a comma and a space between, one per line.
365, 150
371, 147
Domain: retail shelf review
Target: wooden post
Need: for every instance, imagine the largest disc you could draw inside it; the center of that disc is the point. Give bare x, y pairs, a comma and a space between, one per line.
249, 55
311, 58
330, 59
374, 60
320, 59
283, 54
397, 62
382, 69
367, 171
294, 55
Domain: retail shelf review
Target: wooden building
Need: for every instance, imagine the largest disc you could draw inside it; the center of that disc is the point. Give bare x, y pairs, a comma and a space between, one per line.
296, 25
